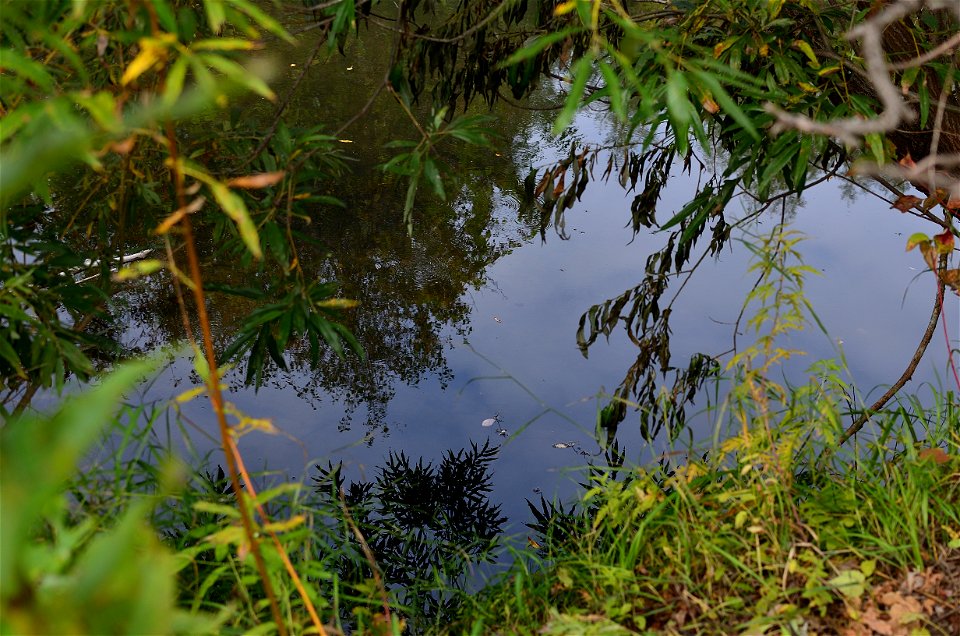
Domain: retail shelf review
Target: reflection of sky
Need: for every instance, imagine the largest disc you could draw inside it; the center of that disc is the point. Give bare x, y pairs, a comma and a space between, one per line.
525, 319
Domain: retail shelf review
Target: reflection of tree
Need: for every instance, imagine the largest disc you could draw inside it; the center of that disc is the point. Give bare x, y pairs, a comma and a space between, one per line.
426, 525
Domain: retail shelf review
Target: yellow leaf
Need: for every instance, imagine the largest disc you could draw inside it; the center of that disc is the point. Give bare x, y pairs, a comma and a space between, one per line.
740, 519
247, 424
186, 396
723, 46
808, 51
138, 269
565, 7
200, 365
338, 303
152, 51
283, 526
917, 239
148, 56
177, 216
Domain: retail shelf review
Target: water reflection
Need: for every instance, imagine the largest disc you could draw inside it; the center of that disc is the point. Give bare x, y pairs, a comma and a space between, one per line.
427, 526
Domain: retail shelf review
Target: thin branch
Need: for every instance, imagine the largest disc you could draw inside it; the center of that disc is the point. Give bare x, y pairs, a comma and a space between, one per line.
852, 129
854, 428
932, 54
283, 106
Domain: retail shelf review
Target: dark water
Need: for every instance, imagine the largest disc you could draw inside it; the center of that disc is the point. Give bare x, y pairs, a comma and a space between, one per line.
474, 316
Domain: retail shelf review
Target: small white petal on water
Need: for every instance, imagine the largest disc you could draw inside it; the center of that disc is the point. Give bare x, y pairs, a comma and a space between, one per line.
564, 444
490, 421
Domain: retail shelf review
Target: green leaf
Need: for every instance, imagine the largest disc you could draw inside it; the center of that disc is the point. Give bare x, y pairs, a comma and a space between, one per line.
679, 109
799, 175
433, 177
580, 72
776, 164
924, 96
31, 70
727, 103
175, 79
217, 509
240, 75
236, 209
614, 91
538, 45
850, 583
408, 203
9, 354
165, 14
224, 44
216, 14
875, 141
37, 455
264, 20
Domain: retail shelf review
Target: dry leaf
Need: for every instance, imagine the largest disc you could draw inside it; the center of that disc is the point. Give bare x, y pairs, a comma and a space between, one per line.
177, 216
938, 455
256, 181
906, 203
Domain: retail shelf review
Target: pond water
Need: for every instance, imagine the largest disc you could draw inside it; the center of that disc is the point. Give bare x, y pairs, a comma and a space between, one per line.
473, 317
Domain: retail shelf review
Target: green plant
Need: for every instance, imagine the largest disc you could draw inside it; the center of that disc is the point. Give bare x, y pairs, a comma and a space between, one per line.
67, 573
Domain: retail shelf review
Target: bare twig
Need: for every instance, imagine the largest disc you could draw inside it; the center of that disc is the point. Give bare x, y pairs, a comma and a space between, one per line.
854, 428
852, 129
932, 54
283, 106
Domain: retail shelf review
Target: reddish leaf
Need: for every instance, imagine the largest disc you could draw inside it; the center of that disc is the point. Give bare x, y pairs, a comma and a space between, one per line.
951, 278
944, 242
938, 455
255, 181
906, 202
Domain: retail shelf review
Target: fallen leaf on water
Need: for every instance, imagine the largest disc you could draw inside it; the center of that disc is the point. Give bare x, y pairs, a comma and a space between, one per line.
490, 421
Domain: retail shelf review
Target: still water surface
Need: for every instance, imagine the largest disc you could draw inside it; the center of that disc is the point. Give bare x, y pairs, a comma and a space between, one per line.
474, 316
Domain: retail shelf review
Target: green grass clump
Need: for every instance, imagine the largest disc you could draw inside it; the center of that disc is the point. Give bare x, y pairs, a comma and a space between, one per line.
748, 540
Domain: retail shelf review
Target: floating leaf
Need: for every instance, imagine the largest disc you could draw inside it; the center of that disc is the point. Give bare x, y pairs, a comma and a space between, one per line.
490, 421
